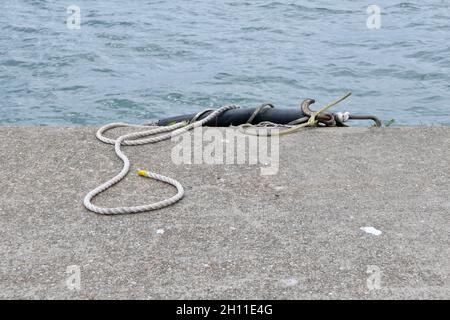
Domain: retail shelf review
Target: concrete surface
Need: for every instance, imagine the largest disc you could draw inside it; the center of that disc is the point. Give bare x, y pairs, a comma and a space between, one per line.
236, 234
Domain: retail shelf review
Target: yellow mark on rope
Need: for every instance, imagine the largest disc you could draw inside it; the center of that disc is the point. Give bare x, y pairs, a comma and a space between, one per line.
142, 173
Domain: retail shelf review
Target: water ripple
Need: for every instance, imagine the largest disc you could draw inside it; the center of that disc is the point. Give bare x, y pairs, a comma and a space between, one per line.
150, 59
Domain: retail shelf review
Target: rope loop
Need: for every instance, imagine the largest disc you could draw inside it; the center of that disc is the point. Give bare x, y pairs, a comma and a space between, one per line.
136, 139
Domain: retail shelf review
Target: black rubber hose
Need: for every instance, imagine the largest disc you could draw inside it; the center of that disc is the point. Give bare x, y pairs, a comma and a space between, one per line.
237, 117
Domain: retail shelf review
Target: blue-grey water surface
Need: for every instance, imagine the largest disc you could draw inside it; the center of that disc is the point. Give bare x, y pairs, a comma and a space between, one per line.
141, 60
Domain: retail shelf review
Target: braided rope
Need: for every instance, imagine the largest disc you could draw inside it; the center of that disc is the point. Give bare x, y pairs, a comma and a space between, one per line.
135, 139
292, 127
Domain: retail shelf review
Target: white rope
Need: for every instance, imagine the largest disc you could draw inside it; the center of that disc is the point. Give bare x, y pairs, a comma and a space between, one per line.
135, 139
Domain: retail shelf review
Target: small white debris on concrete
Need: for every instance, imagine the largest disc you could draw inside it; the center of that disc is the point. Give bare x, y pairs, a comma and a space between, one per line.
371, 230
160, 231
289, 282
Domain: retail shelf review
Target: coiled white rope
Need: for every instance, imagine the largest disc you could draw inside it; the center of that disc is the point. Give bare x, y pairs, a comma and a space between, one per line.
135, 139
